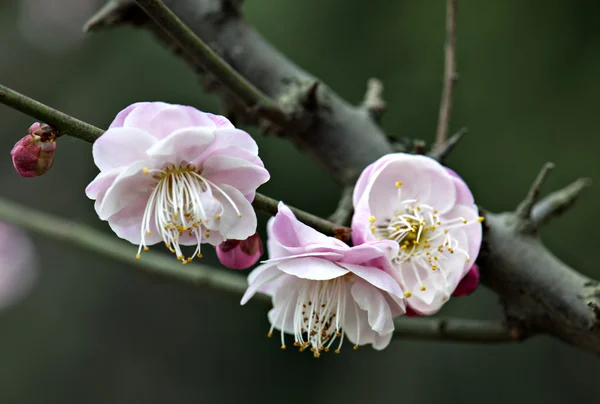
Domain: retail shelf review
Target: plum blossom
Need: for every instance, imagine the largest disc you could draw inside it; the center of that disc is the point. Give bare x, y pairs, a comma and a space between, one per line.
174, 174
17, 265
240, 254
430, 213
324, 290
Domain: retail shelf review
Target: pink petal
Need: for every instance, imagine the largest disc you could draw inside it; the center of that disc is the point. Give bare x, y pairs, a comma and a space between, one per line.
473, 231
127, 224
370, 299
183, 145
259, 277
232, 226
130, 186
227, 138
120, 147
362, 253
161, 119
238, 173
220, 121
463, 193
376, 277
312, 268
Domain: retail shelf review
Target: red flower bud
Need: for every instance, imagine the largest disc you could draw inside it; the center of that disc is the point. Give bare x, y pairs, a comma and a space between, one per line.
33, 155
240, 254
469, 283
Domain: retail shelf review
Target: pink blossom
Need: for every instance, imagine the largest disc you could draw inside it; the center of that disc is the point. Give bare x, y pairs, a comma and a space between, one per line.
323, 290
240, 254
430, 212
174, 174
33, 155
17, 265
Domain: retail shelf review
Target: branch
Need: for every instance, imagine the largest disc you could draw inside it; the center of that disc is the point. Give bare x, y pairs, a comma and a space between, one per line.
523, 211
442, 153
164, 267
374, 104
75, 128
345, 209
455, 330
558, 202
66, 124
329, 134
152, 263
450, 75
211, 61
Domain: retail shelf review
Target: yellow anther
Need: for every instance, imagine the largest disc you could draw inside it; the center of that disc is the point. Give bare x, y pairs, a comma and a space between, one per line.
439, 223
180, 257
434, 267
316, 355
240, 215
397, 228
148, 233
145, 170
283, 347
480, 219
436, 258
403, 247
184, 262
199, 255
372, 229
218, 217
138, 256
398, 184
435, 212
269, 334
408, 293
372, 219
468, 259
422, 288
337, 351
465, 221
146, 248
355, 347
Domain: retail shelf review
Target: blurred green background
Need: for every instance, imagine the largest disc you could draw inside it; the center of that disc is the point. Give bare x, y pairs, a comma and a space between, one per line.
92, 331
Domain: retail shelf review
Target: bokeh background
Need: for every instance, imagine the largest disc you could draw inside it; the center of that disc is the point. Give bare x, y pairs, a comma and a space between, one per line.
92, 331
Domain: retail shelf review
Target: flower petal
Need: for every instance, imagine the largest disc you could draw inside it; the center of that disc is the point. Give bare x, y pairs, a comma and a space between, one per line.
239, 173
131, 185
120, 147
183, 145
312, 268
258, 278
376, 277
231, 225
370, 299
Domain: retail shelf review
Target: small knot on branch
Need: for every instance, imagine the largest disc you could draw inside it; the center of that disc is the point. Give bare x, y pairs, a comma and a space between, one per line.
232, 8
310, 99
373, 103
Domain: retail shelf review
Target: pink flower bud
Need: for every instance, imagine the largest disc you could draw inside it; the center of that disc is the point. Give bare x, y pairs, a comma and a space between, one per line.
33, 155
469, 283
240, 254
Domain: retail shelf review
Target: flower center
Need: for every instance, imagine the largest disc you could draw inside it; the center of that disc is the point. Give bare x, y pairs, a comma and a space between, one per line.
318, 315
177, 207
424, 237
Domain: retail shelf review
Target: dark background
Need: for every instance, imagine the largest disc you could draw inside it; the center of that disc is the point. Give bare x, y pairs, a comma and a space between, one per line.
91, 331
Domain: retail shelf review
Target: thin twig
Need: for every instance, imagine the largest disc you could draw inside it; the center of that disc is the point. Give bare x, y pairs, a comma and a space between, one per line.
441, 154
558, 202
373, 103
450, 76
191, 44
455, 330
523, 211
81, 130
66, 124
161, 265
345, 208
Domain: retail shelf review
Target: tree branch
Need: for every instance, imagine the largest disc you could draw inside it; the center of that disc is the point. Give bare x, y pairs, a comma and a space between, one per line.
374, 104
75, 128
198, 275
211, 61
455, 330
558, 202
450, 76
329, 133
442, 153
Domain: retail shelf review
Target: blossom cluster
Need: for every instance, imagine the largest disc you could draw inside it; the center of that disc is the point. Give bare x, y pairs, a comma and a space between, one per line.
173, 174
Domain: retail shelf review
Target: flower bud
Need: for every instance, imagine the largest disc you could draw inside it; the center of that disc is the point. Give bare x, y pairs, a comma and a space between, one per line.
469, 283
240, 254
33, 155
